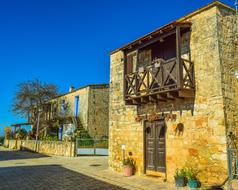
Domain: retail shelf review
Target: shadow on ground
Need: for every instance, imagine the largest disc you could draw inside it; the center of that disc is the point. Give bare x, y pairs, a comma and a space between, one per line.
53, 177
17, 155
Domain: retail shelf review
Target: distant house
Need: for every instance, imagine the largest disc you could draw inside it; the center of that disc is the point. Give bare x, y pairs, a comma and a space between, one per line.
173, 100
86, 108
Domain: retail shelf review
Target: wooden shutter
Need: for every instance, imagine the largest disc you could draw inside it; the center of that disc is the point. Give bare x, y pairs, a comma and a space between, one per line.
131, 62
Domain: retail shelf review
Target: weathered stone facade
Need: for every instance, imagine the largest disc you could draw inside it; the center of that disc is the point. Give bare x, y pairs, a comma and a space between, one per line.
92, 111
205, 119
98, 112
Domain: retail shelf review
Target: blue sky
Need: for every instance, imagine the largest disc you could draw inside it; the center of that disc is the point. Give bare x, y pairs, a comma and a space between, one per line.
67, 42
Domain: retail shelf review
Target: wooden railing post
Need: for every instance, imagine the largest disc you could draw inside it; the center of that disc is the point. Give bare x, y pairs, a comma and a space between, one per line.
125, 83
179, 61
148, 79
162, 74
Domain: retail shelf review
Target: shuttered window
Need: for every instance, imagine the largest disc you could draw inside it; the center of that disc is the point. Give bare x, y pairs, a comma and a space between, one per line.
131, 62
144, 58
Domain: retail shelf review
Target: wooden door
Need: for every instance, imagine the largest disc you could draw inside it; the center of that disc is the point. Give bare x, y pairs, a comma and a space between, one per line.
155, 146
160, 146
150, 146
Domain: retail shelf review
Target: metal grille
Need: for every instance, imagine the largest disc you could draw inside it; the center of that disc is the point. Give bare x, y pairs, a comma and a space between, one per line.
92, 146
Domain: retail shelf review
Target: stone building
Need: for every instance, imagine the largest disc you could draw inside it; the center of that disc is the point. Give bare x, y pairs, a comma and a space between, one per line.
84, 108
173, 96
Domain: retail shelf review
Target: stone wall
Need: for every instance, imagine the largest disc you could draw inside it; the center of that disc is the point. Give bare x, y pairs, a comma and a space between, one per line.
98, 112
58, 148
228, 48
122, 126
202, 143
12, 144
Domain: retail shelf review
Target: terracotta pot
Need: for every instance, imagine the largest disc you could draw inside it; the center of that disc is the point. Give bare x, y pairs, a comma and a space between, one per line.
128, 171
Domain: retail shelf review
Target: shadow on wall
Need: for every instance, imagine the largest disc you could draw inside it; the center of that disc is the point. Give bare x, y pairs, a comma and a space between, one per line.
170, 106
52, 177
179, 129
18, 155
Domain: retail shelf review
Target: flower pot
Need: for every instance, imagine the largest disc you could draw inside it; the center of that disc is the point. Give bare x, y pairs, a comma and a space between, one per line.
193, 183
128, 171
180, 181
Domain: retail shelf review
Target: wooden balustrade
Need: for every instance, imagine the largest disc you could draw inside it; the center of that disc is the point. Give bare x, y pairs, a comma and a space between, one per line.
160, 81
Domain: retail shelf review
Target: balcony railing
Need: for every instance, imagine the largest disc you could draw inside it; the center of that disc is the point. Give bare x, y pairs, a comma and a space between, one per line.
159, 78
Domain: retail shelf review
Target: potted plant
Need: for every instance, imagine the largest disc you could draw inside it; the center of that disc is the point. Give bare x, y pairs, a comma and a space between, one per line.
180, 178
128, 166
191, 175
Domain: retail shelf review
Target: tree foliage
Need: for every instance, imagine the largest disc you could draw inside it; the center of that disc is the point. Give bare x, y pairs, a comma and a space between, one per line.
1, 140
21, 133
31, 95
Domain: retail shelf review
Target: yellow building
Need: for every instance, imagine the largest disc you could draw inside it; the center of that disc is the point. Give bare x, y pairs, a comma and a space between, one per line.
83, 108
172, 101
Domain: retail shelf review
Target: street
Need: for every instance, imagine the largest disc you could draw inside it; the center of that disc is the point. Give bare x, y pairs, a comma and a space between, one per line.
22, 170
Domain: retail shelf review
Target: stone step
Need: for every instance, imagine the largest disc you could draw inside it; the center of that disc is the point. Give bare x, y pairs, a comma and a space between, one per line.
155, 177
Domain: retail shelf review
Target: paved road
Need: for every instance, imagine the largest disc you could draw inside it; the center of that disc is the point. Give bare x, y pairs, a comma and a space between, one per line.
30, 171
20, 171
48, 177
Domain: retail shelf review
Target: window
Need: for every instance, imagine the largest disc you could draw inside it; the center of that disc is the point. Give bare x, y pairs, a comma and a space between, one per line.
62, 107
76, 106
131, 62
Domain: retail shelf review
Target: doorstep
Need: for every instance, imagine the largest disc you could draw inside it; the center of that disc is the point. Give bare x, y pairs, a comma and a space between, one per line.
151, 173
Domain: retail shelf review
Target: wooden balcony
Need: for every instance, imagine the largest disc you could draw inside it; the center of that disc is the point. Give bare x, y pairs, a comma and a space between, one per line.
160, 81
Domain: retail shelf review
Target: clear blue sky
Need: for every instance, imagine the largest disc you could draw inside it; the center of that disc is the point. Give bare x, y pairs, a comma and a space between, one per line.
67, 42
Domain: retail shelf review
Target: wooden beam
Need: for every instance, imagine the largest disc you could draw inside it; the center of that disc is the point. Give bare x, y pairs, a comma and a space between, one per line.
186, 93
174, 95
151, 41
136, 101
161, 98
131, 102
185, 25
153, 99
144, 99
170, 96
125, 85
178, 54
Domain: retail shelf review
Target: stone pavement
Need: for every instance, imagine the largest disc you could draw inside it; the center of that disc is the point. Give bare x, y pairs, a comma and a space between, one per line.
27, 171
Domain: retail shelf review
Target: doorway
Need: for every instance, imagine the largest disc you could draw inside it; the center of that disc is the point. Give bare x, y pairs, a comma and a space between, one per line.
155, 151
